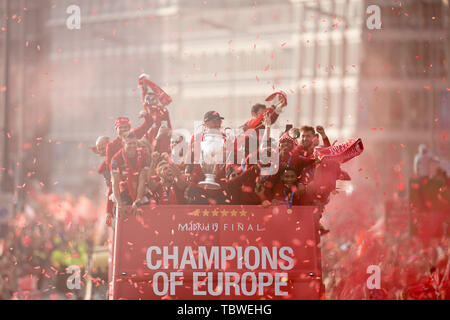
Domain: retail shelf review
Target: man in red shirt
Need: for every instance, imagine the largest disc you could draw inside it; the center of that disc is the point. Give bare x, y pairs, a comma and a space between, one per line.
309, 139
154, 113
288, 157
155, 102
122, 126
240, 186
259, 112
257, 120
304, 152
261, 115
286, 147
129, 172
319, 177
168, 185
159, 133
287, 190
159, 138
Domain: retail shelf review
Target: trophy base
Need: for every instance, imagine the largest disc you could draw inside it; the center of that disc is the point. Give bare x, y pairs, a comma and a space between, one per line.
209, 185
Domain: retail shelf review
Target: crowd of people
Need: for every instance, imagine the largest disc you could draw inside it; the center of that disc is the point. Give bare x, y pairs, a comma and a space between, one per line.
38, 245
139, 166
413, 265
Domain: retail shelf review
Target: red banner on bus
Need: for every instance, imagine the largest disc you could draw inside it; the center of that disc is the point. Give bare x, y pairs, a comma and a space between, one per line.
217, 252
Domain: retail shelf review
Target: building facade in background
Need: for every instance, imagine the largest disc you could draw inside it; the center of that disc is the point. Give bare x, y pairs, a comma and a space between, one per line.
25, 113
403, 86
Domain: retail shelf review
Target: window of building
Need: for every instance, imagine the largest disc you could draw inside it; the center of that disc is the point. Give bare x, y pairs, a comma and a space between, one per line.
306, 107
336, 56
307, 59
396, 112
335, 109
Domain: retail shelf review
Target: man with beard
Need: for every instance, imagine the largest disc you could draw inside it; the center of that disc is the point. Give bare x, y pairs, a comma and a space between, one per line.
166, 182
129, 171
304, 152
305, 147
318, 177
123, 128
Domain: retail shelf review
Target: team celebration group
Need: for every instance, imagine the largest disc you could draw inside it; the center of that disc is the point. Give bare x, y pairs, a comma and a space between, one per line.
142, 165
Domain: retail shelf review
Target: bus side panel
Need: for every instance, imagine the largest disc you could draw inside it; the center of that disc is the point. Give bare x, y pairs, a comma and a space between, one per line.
177, 227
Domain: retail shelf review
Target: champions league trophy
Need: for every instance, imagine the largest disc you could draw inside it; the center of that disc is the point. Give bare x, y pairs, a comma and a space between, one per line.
211, 155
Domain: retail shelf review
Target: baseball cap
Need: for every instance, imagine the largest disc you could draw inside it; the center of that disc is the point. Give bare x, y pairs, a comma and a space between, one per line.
122, 121
211, 115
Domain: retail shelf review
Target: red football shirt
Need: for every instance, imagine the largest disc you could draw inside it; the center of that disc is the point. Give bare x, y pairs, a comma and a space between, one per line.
129, 169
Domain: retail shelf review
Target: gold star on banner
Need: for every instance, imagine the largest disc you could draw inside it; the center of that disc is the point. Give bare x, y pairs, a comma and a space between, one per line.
205, 212
233, 213
196, 212
224, 213
243, 213
215, 212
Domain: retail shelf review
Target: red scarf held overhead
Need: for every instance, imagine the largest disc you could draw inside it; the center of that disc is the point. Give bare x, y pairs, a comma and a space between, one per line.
145, 83
341, 152
133, 174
